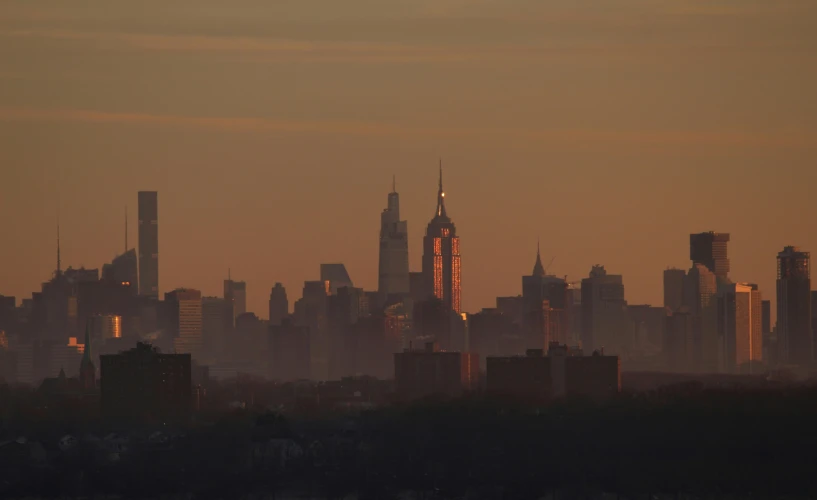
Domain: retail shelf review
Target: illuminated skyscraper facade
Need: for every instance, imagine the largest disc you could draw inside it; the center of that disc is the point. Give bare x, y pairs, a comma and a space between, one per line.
394, 258
441, 257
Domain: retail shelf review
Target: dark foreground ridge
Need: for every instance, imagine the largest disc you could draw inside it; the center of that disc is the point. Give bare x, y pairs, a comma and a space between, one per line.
681, 442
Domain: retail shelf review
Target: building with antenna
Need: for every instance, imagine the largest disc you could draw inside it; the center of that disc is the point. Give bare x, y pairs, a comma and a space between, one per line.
441, 257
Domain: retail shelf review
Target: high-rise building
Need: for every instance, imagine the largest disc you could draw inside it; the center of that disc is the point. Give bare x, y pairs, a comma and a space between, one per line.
430, 371
123, 270
674, 288
605, 324
795, 336
235, 293
700, 299
336, 275
441, 257
149, 244
393, 274
144, 384
185, 321
710, 249
546, 315
288, 357
278, 304
678, 345
740, 327
310, 311
105, 327
216, 323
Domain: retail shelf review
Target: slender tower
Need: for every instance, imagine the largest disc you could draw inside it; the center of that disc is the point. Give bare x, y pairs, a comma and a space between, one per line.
149, 244
393, 274
441, 256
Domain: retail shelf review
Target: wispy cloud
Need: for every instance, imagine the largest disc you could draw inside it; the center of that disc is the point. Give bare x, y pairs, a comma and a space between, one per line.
799, 139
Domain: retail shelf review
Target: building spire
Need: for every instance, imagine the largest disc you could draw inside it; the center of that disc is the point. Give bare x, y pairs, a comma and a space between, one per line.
393, 183
441, 195
538, 268
126, 229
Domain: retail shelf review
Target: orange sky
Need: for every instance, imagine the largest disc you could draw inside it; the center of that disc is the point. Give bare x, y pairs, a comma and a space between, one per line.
272, 129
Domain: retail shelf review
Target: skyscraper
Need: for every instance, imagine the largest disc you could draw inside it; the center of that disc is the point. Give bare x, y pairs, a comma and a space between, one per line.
710, 249
546, 307
393, 275
278, 304
216, 324
700, 300
604, 313
336, 275
235, 293
185, 321
441, 257
740, 327
795, 338
674, 288
149, 244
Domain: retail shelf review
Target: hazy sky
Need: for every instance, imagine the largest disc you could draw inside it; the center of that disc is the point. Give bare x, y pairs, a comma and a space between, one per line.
272, 128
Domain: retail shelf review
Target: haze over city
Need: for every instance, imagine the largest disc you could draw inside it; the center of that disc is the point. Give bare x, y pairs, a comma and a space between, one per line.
272, 131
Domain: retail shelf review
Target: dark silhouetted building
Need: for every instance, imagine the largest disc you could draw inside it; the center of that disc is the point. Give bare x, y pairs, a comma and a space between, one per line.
441, 257
674, 288
148, 243
605, 324
216, 326
393, 274
124, 270
700, 299
740, 327
678, 345
710, 249
563, 372
794, 307
647, 324
430, 372
289, 357
310, 311
235, 293
87, 369
278, 304
417, 286
146, 385
547, 308
494, 333
337, 276
769, 343
185, 321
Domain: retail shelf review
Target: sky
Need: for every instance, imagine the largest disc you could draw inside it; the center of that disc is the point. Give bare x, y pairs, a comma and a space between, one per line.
271, 130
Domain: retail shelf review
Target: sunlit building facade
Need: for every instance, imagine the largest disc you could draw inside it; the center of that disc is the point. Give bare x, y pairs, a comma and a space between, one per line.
740, 327
441, 257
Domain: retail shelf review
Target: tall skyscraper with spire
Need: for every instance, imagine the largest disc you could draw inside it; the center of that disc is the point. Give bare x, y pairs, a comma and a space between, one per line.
441, 257
393, 274
148, 244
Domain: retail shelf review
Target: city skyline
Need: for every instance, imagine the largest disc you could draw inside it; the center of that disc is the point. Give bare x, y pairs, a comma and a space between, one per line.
258, 291
555, 124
